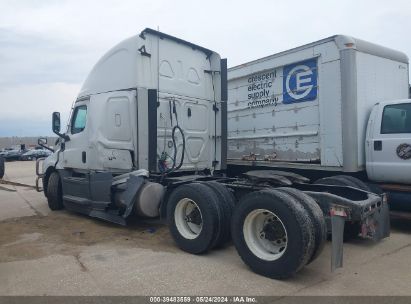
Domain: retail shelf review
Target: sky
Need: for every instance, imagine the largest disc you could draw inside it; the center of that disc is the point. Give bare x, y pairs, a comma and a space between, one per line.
48, 47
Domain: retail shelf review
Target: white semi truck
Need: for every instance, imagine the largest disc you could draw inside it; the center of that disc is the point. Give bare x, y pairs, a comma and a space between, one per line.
147, 137
333, 109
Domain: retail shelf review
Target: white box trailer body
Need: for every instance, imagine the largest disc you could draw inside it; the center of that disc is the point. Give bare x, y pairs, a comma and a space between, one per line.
308, 107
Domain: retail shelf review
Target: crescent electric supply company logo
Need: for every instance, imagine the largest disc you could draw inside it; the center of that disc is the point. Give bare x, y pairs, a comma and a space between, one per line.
404, 151
300, 81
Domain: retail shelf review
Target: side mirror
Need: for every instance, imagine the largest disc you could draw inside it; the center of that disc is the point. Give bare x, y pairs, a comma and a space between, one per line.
42, 141
56, 122
56, 125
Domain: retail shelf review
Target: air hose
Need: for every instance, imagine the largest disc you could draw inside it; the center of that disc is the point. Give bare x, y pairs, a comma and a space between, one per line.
174, 167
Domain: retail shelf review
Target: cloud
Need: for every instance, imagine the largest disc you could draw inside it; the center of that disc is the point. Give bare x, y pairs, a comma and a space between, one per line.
34, 59
22, 128
48, 47
25, 110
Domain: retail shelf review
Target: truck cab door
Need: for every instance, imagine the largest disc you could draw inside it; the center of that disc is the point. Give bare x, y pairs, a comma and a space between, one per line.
388, 143
75, 154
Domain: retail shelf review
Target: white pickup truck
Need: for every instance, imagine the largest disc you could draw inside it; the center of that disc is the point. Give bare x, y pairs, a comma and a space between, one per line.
388, 142
330, 110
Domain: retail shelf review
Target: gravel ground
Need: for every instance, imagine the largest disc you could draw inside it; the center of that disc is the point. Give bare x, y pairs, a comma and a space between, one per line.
61, 253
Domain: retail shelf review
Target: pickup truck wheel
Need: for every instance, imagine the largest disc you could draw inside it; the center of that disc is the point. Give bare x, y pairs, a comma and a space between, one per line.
273, 233
226, 202
55, 192
1, 167
317, 218
194, 217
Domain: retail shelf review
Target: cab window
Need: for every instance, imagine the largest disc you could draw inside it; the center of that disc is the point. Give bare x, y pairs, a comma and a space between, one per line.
79, 119
396, 119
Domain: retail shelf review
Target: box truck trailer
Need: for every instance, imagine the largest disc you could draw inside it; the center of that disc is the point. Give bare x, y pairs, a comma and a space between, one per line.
338, 106
147, 137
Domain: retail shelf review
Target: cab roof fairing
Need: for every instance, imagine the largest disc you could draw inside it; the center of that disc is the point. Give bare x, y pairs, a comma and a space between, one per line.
117, 69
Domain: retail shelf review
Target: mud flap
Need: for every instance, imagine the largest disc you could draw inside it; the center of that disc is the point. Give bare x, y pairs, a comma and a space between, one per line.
384, 220
338, 216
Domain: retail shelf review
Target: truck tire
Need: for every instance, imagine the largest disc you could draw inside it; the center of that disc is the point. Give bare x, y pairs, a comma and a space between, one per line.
273, 233
1, 167
55, 192
226, 202
228, 195
194, 217
317, 218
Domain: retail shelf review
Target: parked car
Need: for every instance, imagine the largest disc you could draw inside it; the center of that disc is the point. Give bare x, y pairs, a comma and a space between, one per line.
5, 151
35, 154
13, 155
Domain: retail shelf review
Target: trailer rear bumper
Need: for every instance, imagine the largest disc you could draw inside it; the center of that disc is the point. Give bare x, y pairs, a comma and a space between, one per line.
371, 215
371, 211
